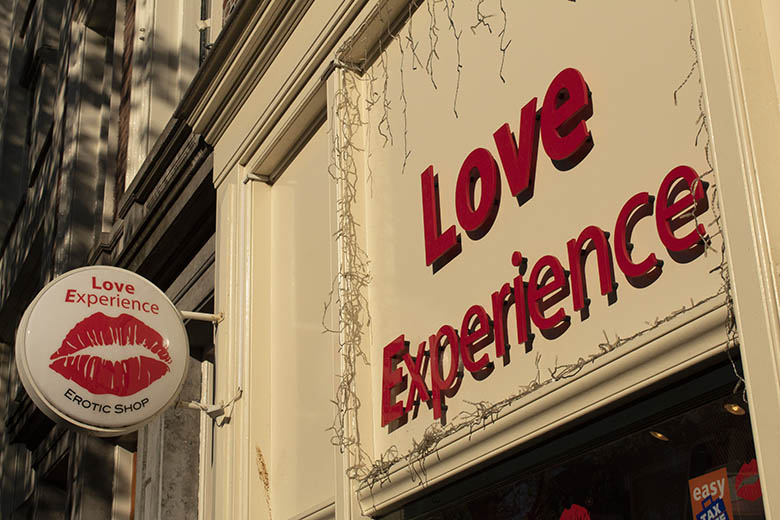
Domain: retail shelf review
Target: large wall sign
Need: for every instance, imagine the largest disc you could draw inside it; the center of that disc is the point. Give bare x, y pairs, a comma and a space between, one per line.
532, 217
538, 301
102, 349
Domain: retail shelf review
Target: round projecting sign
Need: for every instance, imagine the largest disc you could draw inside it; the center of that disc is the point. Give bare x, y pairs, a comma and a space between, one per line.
102, 349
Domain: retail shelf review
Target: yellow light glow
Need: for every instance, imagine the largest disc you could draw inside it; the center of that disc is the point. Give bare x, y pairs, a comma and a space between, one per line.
658, 435
734, 409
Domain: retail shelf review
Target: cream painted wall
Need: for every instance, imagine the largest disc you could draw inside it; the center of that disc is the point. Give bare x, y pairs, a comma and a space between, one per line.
302, 269
634, 58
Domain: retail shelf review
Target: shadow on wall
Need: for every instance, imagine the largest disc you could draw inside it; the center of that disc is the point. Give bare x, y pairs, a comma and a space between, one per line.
88, 144
76, 169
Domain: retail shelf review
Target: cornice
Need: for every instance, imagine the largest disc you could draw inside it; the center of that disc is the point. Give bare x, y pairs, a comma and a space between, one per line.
247, 44
297, 102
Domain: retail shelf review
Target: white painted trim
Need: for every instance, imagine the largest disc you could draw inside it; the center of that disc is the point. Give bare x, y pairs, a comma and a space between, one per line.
323, 511
215, 20
206, 474
772, 22
244, 71
122, 491
141, 88
148, 485
740, 110
243, 355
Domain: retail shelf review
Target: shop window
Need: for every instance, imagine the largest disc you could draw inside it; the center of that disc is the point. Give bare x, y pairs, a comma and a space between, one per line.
699, 459
27, 17
40, 30
29, 89
204, 28
167, 40
227, 7
98, 141
127, 21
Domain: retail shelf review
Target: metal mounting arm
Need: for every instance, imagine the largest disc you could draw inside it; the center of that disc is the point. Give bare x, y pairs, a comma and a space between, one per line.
202, 316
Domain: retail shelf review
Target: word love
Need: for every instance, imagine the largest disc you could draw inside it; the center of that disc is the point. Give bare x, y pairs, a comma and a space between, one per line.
680, 199
566, 138
108, 285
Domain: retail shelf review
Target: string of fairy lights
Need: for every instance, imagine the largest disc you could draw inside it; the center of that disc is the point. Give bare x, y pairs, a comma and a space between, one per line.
350, 116
483, 21
349, 286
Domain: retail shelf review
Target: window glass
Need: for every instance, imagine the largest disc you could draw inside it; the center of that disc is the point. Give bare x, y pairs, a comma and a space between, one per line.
699, 462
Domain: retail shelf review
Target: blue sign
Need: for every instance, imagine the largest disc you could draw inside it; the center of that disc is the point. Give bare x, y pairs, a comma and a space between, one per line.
713, 510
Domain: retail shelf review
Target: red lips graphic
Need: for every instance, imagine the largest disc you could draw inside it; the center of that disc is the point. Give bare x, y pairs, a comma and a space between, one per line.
575, 512
749, 491
102, 376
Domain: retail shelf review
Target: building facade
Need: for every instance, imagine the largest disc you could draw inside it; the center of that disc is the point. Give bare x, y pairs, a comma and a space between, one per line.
97, 170
470, 259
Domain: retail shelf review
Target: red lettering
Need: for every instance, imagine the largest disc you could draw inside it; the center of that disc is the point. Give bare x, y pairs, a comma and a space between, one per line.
70, 296
537, 293
391, 379
578, 255
473, 339
440, 247
480, 166
500, 305
519, 159
103, 300
108, 285
439, 383
567, 140
622, 240
155, 308
521, 314
670, 215
567, 105
681, 197
417, 386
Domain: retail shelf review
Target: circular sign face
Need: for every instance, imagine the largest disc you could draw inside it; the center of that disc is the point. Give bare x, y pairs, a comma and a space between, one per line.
102, 349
